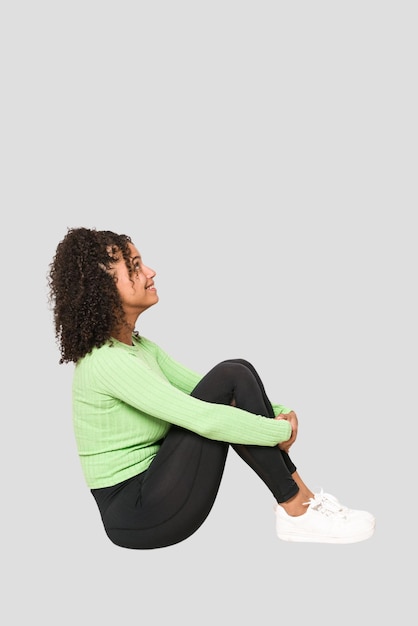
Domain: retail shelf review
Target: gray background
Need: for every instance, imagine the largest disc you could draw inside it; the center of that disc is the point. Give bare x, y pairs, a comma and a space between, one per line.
263, 157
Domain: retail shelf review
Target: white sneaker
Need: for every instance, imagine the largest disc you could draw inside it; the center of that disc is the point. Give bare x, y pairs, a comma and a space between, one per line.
325, 521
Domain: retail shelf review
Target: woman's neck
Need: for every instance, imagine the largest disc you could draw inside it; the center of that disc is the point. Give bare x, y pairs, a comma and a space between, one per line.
124, 335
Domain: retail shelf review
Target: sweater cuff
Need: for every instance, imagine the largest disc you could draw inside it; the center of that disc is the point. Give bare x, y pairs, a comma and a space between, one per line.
280, 408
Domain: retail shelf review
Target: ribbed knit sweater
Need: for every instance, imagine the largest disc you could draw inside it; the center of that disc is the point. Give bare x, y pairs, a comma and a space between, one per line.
125, 398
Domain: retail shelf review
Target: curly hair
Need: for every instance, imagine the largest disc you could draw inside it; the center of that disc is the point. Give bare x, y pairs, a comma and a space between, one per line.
82, 290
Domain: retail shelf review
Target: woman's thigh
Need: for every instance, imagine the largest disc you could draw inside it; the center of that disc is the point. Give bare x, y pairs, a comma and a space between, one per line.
170, 501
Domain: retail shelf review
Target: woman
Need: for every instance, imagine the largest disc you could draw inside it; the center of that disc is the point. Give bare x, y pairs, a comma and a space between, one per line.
152, 435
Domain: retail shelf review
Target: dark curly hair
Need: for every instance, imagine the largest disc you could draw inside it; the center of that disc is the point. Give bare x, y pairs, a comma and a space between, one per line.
82, 290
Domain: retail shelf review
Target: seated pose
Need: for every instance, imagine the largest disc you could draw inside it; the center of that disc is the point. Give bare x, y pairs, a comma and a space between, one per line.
153, 435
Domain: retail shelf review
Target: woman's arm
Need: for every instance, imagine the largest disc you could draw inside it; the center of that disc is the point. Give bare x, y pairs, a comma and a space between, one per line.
126, 377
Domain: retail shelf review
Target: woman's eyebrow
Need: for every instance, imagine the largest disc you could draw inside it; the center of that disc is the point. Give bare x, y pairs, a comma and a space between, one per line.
136, 257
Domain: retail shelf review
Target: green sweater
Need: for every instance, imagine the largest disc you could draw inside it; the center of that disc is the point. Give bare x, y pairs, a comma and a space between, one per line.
126, 397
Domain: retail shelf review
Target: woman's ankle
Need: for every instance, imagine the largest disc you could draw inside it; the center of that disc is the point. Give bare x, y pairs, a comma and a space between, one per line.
297, 505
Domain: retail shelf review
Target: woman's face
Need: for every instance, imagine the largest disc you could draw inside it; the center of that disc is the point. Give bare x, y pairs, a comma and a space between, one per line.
137, 291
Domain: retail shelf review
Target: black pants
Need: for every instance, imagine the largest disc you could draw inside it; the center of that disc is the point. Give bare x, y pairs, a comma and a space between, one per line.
169, 502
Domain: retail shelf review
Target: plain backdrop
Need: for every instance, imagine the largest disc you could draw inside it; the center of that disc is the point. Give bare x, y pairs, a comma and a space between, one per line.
263, 157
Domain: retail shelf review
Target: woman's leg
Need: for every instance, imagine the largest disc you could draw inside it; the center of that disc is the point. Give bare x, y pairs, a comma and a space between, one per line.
236, 381
296, 505
305, 516
170, 501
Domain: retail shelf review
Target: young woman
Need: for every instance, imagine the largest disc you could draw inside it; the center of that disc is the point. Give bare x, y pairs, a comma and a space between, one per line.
152, 435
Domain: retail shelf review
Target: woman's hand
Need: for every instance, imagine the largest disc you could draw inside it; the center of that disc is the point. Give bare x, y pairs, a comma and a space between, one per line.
293, 419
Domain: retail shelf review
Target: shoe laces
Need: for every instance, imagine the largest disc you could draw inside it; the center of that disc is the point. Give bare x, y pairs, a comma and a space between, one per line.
327, 505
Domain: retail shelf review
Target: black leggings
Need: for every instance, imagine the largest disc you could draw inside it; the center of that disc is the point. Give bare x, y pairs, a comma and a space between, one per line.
168, 502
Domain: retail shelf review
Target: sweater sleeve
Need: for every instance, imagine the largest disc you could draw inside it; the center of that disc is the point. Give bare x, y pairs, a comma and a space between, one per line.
280, 408
125, 377
176, 373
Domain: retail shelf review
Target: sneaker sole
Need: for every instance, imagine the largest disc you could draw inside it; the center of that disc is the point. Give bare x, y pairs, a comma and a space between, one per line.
296, 537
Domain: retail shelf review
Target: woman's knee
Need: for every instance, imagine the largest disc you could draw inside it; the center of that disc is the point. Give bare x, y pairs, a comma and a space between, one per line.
221, 383
237, 365
235, 369
238, 362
